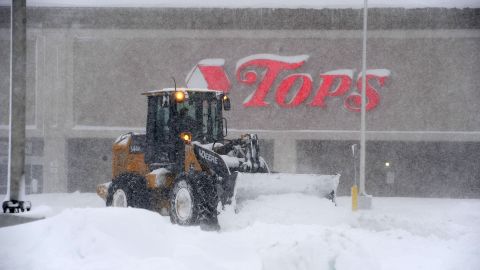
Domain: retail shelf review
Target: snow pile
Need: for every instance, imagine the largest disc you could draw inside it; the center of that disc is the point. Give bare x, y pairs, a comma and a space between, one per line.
47, 205
290, 231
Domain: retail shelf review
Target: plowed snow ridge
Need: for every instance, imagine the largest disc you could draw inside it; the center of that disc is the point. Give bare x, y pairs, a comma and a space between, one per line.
290, 231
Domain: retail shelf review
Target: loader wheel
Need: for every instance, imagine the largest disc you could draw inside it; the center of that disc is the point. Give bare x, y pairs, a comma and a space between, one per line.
129, 190
193, 201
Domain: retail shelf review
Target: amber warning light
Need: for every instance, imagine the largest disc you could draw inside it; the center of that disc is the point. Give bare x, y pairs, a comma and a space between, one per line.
226, 103
179, 96
186, 137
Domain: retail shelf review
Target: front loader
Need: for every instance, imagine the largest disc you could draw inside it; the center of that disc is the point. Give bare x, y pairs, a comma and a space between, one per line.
185, 167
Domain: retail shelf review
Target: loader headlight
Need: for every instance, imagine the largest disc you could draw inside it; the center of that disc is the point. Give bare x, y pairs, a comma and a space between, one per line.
186, 137
179, 96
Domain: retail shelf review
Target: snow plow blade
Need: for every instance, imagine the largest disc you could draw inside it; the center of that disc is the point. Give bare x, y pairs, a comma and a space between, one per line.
252, 185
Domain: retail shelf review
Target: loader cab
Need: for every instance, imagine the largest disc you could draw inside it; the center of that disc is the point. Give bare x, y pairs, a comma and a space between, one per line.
172, 113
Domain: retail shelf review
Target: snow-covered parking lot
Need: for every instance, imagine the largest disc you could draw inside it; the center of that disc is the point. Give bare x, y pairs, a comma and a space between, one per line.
290, 231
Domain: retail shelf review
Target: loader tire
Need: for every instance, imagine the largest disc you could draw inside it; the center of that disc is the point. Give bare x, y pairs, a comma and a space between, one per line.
129, 190
193, 201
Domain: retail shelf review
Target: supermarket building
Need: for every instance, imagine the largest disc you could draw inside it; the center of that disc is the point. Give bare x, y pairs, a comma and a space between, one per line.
292, 75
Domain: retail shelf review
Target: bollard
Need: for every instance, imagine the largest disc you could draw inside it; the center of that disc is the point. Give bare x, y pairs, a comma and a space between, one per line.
354, 192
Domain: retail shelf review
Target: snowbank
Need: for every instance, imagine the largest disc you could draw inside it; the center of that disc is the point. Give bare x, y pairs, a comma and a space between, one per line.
49, 204
290, 231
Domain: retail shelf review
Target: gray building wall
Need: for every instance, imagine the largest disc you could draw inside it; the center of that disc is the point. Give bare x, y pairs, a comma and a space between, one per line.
87, 68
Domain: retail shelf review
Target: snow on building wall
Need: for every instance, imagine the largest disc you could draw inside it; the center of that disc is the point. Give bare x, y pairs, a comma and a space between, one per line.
293, 75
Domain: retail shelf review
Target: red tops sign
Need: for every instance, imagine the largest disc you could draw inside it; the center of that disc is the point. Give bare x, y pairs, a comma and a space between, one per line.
265, 69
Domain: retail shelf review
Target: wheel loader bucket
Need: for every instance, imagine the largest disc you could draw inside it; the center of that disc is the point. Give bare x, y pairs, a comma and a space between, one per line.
252, 185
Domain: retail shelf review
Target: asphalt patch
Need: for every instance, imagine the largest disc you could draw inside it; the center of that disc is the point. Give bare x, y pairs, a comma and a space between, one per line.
15, 219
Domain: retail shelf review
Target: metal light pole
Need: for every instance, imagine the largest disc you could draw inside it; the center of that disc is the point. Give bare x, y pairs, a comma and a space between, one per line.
16, 147
360, 199
364, 100
364, 199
